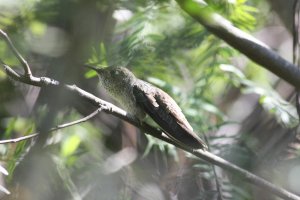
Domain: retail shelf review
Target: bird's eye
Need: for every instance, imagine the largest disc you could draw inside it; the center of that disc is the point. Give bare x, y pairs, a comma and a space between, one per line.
115, 73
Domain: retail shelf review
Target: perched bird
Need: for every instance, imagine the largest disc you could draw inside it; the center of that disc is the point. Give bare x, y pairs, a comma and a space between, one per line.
140, 98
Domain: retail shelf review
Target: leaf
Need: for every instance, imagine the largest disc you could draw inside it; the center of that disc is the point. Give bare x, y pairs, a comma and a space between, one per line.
232, 69
38, 28
3, 170
70, 145
3, 189
90, 74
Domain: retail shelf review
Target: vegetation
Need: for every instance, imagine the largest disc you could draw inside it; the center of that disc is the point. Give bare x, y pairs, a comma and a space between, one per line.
243, 111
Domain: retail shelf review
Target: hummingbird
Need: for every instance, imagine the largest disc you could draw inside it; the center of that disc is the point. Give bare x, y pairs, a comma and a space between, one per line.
141, 98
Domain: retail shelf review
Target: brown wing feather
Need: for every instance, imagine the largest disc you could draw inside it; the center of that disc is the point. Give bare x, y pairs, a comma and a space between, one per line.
166, 113
167, 103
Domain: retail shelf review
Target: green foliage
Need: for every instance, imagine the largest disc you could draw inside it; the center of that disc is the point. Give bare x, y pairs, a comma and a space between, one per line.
13, 153
240, 12
99, 56
284, 111
181, 57
162, 45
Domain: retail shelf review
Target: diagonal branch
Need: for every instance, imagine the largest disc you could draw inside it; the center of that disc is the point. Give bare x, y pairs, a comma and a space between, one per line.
148, 129
243, 42
17, 54
33, 135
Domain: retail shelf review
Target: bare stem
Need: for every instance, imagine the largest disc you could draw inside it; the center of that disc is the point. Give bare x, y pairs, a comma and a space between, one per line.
19, 139
17, 53
118, 112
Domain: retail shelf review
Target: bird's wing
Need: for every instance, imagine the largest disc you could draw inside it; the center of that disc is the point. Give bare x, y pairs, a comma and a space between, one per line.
167, 114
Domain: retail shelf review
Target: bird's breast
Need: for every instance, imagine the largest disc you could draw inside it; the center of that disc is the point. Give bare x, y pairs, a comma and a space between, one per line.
123, 94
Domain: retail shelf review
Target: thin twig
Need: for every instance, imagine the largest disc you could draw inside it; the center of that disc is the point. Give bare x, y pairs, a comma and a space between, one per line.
118, 112
90, 116
205, 155
19, 139
217, 181
296, 18
16, 52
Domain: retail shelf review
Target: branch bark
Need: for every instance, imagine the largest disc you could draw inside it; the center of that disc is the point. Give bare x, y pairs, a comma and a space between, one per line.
155, 132
61, 126
148, 129
16, 52
254, 49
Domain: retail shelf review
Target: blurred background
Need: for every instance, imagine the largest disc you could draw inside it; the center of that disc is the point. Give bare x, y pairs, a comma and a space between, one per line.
246, 114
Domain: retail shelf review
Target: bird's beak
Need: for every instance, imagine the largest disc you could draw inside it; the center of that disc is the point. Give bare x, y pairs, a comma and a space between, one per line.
91, 67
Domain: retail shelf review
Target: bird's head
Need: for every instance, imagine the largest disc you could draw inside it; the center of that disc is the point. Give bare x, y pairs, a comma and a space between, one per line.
114, 76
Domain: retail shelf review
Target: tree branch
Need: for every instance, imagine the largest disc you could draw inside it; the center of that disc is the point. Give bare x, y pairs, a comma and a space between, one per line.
148, 129
243, 42
16, 52
19, 139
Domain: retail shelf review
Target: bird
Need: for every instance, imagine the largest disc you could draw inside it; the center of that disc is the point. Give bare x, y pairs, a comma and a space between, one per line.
140, 98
